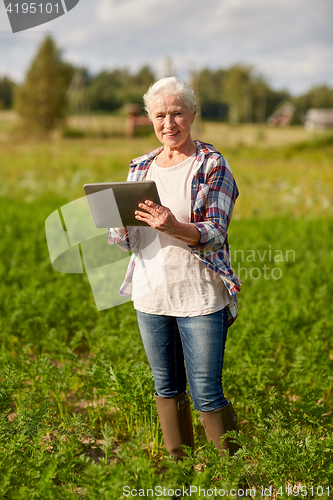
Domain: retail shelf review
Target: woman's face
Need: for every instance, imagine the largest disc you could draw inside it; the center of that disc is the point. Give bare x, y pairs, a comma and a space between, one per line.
172, 120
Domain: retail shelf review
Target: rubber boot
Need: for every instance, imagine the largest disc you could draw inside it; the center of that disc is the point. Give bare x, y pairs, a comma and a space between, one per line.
176, 423
216, 423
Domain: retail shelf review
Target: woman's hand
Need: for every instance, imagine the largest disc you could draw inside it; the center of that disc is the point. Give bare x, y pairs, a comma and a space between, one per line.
162, 219
158, 217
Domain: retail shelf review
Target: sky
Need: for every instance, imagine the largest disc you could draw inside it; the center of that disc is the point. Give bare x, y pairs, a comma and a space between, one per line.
288, 42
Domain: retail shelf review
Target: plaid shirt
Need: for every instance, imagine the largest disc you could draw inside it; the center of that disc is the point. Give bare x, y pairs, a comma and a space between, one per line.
213, 194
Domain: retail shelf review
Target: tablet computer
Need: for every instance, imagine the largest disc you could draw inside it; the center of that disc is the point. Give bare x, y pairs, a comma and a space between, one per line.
112, 204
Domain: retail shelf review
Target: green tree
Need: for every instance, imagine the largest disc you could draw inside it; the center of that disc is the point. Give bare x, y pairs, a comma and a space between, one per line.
144, 77
110, 90
6, 92
238, 94
41, 100
320, 96
210, 85
105, 88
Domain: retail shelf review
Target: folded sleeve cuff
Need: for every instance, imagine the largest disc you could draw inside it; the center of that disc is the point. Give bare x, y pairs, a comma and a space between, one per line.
211, 236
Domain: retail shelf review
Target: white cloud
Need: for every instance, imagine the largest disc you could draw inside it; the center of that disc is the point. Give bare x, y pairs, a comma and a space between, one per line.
289, 41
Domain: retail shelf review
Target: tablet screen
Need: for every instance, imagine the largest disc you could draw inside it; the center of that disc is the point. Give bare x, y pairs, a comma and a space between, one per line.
112, 204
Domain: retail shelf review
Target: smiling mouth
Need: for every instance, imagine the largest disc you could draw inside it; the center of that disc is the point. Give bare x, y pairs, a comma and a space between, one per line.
170, 134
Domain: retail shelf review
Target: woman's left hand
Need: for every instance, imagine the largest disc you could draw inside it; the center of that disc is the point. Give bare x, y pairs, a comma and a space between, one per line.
158, 217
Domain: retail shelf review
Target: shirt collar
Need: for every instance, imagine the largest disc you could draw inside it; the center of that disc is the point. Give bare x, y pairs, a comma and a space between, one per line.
203, 149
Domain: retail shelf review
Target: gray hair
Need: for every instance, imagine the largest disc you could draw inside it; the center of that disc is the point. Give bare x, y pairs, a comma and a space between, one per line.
170, 85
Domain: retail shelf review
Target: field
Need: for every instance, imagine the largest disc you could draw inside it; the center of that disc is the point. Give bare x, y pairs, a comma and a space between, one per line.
78, 418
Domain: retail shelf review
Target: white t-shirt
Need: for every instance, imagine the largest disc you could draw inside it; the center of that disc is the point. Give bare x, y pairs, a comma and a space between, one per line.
168, 279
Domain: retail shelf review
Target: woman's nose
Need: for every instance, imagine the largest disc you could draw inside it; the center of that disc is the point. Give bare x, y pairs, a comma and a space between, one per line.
168, 122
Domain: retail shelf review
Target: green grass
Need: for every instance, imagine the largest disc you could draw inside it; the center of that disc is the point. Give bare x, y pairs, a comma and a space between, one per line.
78, 418
278, 179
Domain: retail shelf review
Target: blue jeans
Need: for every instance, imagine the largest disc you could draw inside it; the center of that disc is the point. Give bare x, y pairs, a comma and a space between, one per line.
197, 340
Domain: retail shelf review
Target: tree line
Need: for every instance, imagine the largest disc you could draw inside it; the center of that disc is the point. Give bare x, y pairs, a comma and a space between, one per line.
53, 87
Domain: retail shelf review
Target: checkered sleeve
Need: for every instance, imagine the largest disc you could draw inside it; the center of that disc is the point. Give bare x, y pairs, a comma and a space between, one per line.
214, 205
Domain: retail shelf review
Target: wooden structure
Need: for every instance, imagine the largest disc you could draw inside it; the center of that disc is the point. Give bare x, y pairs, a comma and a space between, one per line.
135, 121
319, 119
282, 116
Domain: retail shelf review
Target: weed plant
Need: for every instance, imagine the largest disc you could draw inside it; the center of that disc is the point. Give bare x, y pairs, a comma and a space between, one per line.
78, 418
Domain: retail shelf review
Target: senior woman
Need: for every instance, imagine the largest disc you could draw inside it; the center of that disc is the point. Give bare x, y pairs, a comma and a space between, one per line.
184, 320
